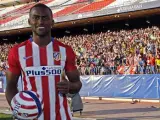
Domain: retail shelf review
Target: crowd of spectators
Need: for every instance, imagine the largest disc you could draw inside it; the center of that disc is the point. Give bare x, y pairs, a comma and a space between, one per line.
4, 49
102, 53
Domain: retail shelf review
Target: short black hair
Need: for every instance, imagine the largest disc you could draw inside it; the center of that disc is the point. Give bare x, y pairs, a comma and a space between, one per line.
42, 6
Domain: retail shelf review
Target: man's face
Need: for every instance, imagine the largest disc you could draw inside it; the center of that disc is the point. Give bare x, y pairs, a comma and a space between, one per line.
40, 20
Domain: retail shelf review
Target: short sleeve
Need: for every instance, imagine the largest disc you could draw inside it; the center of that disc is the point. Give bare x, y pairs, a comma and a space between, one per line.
13, 63
70, 60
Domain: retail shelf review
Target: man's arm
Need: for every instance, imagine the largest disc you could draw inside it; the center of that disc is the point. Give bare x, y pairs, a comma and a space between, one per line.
74, 81
11, 88
12, 74
73, 84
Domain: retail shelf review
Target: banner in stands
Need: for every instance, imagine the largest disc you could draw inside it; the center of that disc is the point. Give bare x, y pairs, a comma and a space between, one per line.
127, 70
123, 86
22, 22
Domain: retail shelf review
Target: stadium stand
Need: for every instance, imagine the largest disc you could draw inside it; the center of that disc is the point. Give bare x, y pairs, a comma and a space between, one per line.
83, 6
137, 50
68, 10
69, 7
9, 9
71, 2
16, 13
119, 3
59, 2
63, 7
134, 51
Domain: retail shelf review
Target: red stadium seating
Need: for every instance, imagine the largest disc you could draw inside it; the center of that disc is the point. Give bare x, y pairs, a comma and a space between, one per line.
5, 20
69, 9
82, 7
17, 12
82, 1
94, 6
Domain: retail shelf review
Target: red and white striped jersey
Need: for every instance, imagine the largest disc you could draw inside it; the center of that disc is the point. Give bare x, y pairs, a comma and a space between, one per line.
40, 68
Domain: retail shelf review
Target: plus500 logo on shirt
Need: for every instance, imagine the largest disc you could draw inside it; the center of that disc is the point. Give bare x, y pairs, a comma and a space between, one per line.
43, 71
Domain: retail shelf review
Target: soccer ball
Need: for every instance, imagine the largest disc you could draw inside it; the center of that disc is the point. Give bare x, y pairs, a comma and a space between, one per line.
27, 105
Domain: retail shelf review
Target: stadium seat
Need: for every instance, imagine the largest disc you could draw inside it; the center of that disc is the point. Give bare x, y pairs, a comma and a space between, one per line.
94, 6
59, 2
18, 12
70, 9
8, 9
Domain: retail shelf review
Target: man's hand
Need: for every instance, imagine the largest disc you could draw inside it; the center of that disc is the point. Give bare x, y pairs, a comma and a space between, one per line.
63, 85
71, 85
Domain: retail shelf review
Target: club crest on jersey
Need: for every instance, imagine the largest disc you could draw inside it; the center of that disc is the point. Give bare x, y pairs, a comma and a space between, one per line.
56, 56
